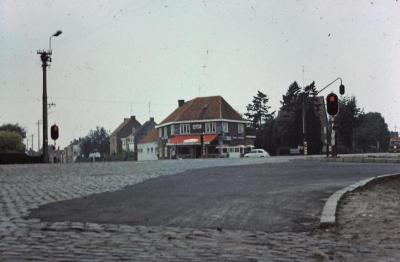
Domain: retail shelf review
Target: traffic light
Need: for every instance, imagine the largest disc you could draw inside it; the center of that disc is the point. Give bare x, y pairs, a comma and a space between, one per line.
332, 104
341, 89
54, 132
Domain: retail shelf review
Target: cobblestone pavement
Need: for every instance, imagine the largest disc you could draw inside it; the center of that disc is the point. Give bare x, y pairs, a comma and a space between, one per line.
24, 187
370, 218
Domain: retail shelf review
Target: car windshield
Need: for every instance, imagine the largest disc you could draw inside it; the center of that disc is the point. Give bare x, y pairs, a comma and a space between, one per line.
169, 130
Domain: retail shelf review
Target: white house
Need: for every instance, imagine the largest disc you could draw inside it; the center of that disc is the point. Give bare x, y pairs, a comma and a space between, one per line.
148, 146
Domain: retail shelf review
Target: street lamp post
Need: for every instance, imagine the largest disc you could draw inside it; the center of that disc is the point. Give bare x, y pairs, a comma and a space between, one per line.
45, 57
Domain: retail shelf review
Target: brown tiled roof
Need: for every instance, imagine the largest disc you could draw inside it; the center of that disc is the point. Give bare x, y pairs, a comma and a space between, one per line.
124, 123
201, 108
151, 136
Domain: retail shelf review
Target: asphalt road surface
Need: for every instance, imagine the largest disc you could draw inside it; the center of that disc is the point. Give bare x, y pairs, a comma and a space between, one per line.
271, 197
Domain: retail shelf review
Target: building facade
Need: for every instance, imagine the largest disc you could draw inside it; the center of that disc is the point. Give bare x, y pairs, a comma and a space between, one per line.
71, 153
147, 148
201, 128
120, 134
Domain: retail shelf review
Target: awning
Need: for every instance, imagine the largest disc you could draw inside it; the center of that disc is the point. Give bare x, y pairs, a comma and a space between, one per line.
191, 140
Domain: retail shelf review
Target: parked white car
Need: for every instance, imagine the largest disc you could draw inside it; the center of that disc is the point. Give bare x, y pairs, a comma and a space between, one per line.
257, 153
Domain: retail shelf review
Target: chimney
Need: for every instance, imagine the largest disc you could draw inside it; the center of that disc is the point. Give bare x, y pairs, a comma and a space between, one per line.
151, 119
133, 118
181, 102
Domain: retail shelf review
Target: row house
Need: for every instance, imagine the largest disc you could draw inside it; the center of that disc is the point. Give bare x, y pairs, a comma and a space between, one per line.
118, 138
137, 135
204, 127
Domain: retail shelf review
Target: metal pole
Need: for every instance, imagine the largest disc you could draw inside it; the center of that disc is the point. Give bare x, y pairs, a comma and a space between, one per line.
305, 149
333, 138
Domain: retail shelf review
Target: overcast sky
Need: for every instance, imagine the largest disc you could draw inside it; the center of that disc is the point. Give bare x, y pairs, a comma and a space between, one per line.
116, 57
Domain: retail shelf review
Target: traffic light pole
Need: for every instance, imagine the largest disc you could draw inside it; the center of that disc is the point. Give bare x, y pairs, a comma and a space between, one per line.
305, 146
332, 138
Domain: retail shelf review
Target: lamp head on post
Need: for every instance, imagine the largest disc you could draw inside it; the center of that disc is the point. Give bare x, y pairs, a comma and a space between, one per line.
57, 33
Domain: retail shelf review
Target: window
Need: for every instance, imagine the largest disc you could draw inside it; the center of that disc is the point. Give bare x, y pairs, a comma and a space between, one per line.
211, 127
172, 130
165, 131
240, 128
151, 150
148, 150
160, 132
225, 127
184, 128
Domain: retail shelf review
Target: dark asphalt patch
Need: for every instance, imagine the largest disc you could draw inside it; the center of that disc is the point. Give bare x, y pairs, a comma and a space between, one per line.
267, 197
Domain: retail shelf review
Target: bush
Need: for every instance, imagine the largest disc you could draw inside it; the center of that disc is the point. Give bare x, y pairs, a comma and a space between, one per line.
11, 142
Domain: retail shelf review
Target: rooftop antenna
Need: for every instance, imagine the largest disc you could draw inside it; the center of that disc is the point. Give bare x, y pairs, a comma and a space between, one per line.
149, 109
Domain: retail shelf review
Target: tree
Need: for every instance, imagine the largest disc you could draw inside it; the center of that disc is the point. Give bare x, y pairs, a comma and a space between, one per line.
288, 127
97, 140
258, 110
11, 142
14, 128
372, 133
347, 121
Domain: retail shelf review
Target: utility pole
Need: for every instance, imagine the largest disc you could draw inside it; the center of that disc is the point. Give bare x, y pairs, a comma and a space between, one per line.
32, 142
45, 56
38, 134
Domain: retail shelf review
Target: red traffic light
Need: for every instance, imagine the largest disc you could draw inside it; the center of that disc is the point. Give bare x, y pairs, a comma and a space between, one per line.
54, 132
332, 104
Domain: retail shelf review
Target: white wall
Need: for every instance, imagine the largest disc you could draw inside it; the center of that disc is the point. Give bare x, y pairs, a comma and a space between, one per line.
145, 151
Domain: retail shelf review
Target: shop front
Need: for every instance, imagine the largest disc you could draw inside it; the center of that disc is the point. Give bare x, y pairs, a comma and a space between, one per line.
192, 146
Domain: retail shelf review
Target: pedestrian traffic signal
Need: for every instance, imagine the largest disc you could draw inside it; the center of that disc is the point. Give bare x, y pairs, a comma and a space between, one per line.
332, 104
54, 132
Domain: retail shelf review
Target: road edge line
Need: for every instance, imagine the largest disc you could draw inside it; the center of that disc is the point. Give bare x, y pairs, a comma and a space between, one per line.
328, 215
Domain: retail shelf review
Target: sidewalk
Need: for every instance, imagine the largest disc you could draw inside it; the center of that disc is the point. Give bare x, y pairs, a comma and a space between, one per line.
369, 218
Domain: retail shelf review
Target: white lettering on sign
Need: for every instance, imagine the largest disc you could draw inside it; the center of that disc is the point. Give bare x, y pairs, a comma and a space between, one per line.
196, 126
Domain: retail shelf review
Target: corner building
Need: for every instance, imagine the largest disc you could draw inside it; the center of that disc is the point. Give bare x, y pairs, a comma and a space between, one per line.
201, 128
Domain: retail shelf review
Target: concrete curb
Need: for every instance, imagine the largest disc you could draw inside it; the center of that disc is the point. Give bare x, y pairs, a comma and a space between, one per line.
357, 160
328, 215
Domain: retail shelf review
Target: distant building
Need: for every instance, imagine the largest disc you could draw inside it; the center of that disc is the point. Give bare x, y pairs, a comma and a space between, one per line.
202, 127
118, 141
147, 147
71, 152
137, 134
